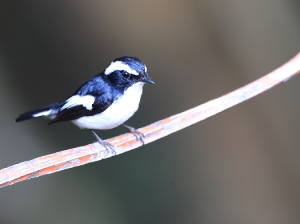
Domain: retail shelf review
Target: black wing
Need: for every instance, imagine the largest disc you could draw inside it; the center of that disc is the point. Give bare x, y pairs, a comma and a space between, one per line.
79, 111
95, 87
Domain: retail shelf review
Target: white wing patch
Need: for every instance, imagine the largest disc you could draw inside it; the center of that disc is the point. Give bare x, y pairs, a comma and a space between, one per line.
119, 66
86, 101
44, 113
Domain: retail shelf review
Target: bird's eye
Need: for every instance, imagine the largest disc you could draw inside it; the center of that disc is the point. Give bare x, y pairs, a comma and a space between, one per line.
126, 75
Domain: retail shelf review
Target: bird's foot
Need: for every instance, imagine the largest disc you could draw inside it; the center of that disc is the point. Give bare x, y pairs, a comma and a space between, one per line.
109, 147
138, 135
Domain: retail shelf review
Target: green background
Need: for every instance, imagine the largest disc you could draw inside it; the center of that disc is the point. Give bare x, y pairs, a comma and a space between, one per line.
241, 166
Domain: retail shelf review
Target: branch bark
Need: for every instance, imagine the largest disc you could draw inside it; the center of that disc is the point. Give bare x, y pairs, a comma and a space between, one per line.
94, 152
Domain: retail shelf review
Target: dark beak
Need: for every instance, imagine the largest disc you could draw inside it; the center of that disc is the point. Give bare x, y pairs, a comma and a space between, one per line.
148, 80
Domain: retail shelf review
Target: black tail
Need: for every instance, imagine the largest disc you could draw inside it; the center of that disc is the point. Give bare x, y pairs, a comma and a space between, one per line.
41, 112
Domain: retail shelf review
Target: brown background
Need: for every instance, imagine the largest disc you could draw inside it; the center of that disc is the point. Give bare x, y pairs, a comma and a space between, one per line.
241, 166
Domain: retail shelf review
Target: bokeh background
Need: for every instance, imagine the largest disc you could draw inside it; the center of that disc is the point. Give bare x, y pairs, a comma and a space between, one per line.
241, 166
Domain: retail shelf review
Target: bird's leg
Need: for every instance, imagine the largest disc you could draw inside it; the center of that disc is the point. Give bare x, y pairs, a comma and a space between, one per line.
109, 147
139, 136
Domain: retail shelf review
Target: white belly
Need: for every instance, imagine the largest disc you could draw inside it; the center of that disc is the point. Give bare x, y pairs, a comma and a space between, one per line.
119, 112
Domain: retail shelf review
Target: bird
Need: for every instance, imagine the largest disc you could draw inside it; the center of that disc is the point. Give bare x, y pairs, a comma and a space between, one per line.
105, 101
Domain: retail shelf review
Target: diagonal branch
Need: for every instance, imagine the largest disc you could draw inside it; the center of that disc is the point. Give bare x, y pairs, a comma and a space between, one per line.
93, 152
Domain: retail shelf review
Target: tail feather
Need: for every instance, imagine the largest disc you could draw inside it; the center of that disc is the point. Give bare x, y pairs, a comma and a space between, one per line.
41, 112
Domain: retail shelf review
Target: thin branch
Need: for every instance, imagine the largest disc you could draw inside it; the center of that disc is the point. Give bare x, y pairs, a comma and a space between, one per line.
93, 152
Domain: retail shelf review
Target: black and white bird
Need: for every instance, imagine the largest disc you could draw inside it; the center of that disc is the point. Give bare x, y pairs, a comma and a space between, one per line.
103, 102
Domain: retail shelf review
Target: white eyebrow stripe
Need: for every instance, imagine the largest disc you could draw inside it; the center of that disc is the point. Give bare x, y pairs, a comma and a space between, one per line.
86, 101
119, 66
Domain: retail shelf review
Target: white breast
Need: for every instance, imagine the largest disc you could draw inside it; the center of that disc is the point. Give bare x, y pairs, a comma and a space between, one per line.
119, 112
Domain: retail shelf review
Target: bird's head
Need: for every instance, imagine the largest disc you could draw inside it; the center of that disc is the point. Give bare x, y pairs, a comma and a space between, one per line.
126, 71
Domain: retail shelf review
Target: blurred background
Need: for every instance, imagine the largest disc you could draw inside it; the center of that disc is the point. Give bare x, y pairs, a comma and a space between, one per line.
241, 166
